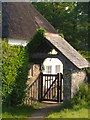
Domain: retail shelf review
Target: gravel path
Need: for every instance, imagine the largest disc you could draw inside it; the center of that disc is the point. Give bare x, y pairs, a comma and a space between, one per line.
43, 111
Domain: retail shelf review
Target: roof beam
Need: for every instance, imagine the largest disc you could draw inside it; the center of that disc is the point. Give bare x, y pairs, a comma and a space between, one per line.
43, 55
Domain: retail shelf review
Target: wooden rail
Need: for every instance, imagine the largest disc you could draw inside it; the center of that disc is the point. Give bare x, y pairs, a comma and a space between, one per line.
32, 92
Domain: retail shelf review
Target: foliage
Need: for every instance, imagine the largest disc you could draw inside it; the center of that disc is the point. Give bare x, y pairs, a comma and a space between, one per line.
86, 54
36, 41
14, 73
69, 19
15, 69
82, 97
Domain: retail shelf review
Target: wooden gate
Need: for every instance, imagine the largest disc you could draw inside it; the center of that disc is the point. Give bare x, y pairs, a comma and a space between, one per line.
51, 87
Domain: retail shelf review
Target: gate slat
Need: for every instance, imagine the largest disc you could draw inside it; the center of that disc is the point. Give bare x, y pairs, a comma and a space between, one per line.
49, 87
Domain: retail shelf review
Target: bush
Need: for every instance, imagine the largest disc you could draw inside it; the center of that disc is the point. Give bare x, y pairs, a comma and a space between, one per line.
15, 69
85, 54
82, 97
14, 74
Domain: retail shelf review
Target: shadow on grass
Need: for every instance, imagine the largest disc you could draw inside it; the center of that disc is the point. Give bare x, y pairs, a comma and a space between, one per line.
17, 112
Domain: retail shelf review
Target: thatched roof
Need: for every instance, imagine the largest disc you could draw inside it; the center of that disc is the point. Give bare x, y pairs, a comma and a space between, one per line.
67, 50
20, 20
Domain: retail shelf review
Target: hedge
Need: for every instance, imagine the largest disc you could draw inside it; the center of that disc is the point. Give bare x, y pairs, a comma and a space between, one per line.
14, 73
15, 69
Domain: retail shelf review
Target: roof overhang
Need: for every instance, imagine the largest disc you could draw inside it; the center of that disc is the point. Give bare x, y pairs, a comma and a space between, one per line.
67, 50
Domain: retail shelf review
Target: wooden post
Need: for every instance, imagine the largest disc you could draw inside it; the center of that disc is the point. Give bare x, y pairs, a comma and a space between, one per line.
40, 87
61, 77
57, 87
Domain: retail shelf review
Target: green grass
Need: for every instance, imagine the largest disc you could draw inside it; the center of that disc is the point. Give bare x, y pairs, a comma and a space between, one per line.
17, 112
67, 113
67, 110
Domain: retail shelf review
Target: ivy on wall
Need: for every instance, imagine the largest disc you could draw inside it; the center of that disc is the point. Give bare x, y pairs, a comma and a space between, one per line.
14, 73
37, 40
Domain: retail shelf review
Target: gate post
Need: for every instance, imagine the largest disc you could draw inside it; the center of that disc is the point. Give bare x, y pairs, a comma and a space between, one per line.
58, 87
61, 77
40, 87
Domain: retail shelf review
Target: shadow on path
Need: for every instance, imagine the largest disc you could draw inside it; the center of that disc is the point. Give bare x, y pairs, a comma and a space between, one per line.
43, 111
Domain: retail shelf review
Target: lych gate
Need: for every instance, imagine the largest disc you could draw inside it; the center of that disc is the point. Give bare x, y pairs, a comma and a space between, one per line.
46, 87
51, 87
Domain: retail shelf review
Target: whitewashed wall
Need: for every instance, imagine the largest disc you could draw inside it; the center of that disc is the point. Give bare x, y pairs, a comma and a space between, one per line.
52, 62
17, 42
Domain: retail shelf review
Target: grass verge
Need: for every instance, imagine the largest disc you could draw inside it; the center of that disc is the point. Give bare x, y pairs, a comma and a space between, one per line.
23, 111
69, 113
70, 110
17, 112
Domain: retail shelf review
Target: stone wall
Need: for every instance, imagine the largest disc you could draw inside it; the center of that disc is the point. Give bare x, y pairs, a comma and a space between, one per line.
71, 82
77, 77
66, 85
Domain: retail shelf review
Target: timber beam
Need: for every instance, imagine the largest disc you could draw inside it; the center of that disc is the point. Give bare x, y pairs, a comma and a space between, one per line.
43, 55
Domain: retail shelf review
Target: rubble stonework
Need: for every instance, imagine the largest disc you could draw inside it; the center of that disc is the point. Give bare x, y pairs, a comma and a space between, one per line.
77, 77
71, 82
67, 85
